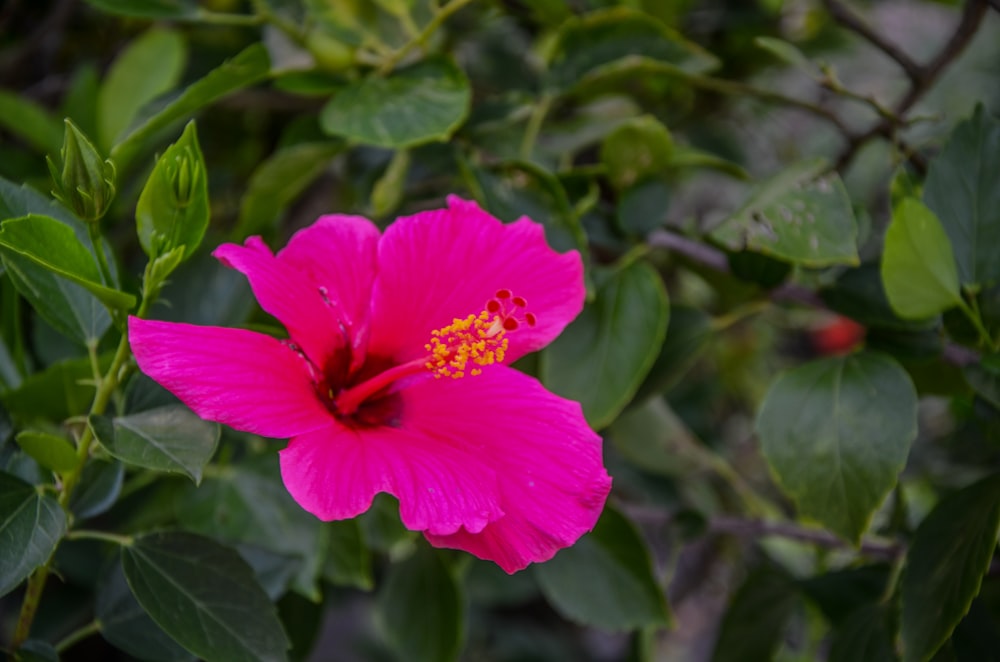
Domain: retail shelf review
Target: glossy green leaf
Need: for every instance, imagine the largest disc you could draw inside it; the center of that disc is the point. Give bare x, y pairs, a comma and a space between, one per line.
918, 269
31, 525
865, 635
606, 579
418, 104
204, 596
637, 149
149, 66
98, 489
606, 41
31, 122
836, 433
172, 439
348, 561
249, 504
800, 215
246, 68
602, 357
755, 620
50, 451
54, 246
961, 189
278, 181
148, 8
945, 565
173, 208
127, 626
984, 377
420, 609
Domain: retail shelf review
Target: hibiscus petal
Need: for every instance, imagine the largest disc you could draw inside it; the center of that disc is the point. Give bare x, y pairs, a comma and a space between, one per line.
552, 481
291, 296
439, 265
338, 253
243, 379
334, 474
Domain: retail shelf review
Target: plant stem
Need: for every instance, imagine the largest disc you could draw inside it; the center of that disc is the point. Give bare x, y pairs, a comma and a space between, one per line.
219, 18
440, 17
105, 389
534, 125
94, 231
750, 528
78, 635
972, 313
123, 541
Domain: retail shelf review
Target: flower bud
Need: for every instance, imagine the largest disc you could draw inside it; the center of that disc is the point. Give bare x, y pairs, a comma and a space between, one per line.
84, 181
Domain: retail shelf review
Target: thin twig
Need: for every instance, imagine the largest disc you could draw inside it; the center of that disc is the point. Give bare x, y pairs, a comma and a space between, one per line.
847, 18
748, 528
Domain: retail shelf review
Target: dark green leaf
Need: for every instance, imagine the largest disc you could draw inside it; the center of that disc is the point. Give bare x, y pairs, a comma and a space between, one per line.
420, 608
204, 596
149, 66
756, 618
274, 571
36, 650
918, 268
654, 439
99, 487
148, 8
984, 376
48, 450
31, 525
348, 561
249, 504
173, 208
643, 208
246, 68
945, 564
864, 637
56, 393
758, 268
388, 190
603, 356
799, 215
223, 295
126, 625
604, 42
689, 157
637, 149
172, 439
33, 123
858, 294
278, 181
606, 579
382, 529
53, 245
961, 188
840, 593
687, 337
836, 433
421, 103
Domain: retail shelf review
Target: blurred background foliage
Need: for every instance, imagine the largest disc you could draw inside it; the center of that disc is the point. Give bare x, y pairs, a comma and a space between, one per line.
799, 406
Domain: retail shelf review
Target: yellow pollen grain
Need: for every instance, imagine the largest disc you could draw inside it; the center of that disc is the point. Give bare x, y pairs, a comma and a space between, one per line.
453, 347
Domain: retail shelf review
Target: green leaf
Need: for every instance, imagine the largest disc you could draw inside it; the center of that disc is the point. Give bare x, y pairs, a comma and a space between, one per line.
865, 635
173, 207
687, 337
643, 208
789, 53
602, 357
52, 452
278, 181
420, 609
58, 392
36, 650
388, 190
918, 268
799, 215
248, 67
53, 245
860, 294
31, 122
984, 377
127, 626
248, 504
945, 565
149, 66
637, 149
31, 525
172, 439
604, 42
836, 433
756, 618
689, 157
148, 8
424, 102
204, 596
99, 487
961, 188
348, 561
655, 439
606, 579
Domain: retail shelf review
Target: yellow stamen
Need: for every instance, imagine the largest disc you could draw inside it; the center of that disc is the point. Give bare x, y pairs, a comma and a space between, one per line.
477, 339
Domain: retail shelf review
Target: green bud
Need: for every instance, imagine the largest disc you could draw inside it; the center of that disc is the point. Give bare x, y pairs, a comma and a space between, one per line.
84, 181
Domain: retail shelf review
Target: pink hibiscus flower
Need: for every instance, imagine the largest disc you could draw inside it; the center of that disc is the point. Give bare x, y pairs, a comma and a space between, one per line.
395, 378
